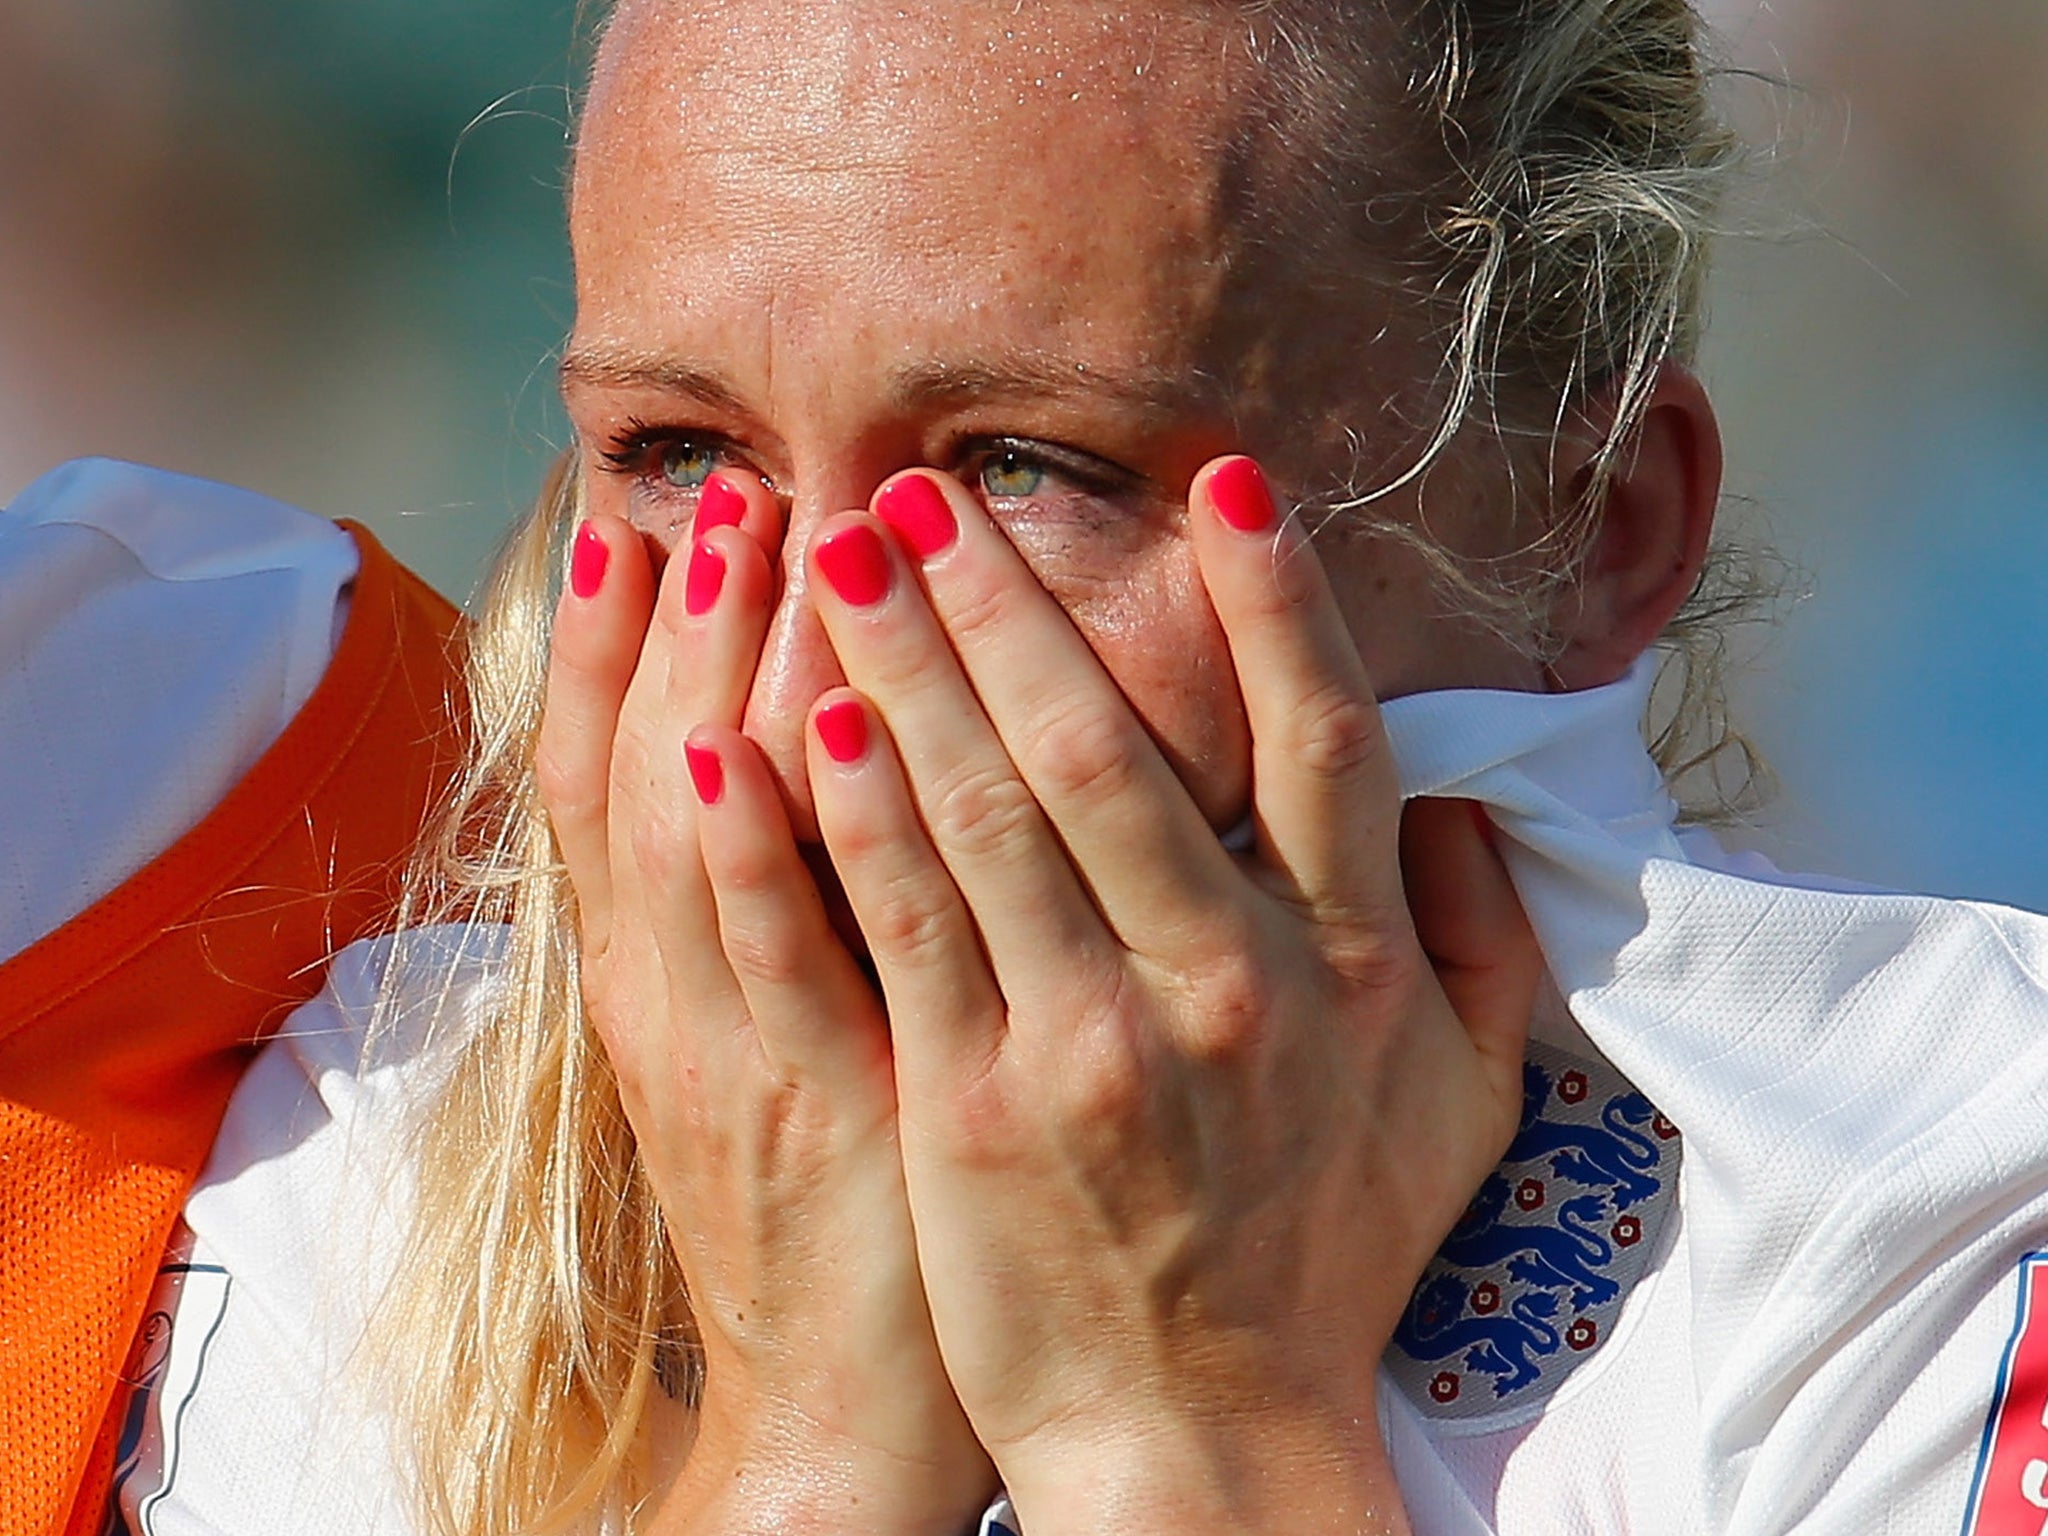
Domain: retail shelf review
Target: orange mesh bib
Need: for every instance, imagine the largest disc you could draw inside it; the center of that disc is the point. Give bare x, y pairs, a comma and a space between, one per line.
123, 1033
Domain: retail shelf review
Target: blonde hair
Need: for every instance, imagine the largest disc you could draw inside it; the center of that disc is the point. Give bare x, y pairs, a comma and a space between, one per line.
1562, 241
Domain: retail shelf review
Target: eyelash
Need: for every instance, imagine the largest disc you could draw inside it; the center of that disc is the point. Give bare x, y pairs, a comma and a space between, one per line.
636, 451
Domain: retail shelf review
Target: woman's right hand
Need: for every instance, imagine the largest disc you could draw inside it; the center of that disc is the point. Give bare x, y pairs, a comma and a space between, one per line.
753, 1058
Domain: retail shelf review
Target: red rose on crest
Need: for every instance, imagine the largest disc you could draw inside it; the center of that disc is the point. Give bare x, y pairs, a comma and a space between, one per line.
1443, 1388
1582, 1335
1627, 1232
1485, 1298
1572, 1087
1529, 1194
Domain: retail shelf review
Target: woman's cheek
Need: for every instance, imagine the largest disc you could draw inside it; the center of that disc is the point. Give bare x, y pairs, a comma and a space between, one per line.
1157, 636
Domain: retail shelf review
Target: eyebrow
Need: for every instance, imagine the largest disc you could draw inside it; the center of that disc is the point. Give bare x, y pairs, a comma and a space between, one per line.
1157, 393
601, 367
1152, 391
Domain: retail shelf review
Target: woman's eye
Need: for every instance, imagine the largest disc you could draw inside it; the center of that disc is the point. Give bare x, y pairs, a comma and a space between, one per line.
1010, 475
687, 463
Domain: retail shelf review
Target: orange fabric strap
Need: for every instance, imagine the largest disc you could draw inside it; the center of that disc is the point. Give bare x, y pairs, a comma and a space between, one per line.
123, 1034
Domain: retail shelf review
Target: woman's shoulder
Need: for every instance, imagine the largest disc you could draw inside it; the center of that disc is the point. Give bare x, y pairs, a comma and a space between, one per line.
388, 1019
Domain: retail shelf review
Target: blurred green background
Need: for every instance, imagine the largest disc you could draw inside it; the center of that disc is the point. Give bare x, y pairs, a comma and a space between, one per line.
315, 247
311, 246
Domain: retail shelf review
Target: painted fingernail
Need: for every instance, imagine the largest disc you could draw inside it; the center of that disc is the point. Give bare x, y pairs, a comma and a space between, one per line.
707, 773
587, 562
919, 512
1237, 490
706, 575
720, 504
856, 564
843, 729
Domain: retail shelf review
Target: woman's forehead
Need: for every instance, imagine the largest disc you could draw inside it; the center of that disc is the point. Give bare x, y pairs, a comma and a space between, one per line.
1047, 165
1006, 89
839, 53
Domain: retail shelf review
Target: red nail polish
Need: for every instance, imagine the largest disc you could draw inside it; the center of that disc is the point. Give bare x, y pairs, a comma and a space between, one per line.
1237, 490
587, 562
856, 565
706, 575
707, 773
843, 729
919, 512
720, 504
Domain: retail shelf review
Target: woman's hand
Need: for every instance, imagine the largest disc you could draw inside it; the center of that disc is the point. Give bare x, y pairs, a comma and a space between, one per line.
1181, 1126
752, 1055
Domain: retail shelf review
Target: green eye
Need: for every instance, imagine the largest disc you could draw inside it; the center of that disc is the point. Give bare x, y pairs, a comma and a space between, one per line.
1010, 475
686, 465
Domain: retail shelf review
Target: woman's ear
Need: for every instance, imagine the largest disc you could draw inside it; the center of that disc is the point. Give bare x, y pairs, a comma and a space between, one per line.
1653, 523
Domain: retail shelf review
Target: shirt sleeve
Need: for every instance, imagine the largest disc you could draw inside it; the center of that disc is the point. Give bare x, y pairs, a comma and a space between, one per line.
157, 633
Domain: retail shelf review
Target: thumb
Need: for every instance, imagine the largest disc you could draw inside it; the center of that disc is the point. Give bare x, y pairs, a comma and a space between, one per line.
1470, 924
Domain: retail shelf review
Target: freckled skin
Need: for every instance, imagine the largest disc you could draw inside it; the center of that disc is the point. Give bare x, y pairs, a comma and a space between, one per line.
804, 197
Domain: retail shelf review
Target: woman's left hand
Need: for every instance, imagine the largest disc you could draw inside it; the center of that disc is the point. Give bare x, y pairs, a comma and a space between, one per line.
1181, 1126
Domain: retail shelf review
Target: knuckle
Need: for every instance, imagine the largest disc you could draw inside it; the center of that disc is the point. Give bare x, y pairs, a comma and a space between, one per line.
1101, 1083
1233, 1001
980, 812
567, 787
662, 849
1084, 753
979, 609
984, 1126
912, 923
1373, 955
1334, 733
1102, 1078
769, 955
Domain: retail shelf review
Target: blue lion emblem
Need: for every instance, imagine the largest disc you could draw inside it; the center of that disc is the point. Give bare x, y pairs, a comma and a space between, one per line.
1533, 1275
1568, 1256
1506, 1346
1617, 1158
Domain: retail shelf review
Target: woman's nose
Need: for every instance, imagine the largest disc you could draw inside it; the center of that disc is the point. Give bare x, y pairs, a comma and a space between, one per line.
797, 664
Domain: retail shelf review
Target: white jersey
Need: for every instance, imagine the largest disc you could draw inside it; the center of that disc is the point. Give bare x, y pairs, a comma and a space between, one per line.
1761, 1259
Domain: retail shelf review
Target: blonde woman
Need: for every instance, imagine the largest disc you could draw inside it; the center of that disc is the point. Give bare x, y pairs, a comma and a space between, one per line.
931, 986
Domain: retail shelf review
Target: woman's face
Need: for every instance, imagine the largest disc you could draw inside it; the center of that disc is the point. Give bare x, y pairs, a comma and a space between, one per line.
827, 241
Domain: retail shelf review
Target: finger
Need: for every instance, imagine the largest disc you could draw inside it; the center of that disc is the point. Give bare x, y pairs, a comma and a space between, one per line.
943, 1001
1134, 833
1472, 927
703, 646
713, 611
816, 1017
981, 817
599, 624
1325, 797
730, 498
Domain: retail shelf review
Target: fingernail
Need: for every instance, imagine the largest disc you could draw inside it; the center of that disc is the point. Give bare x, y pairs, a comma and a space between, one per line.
587, 562
706, 576
720, 504
1237, 490
843, 729
707, 773
919, 512
856, 564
